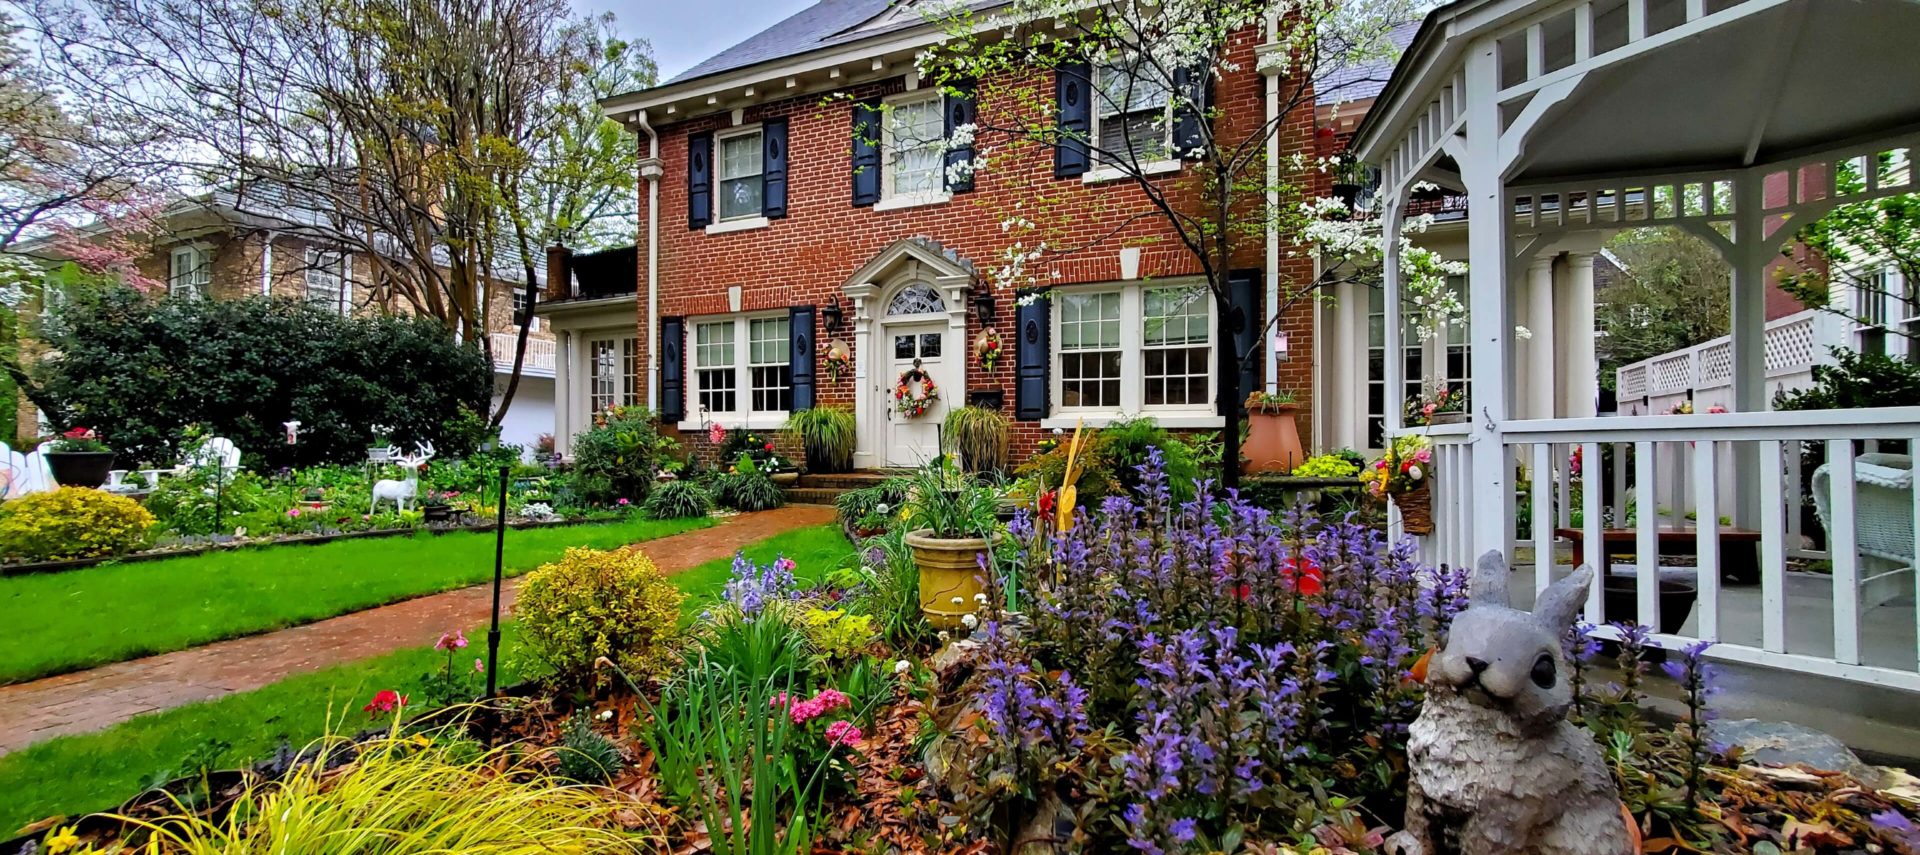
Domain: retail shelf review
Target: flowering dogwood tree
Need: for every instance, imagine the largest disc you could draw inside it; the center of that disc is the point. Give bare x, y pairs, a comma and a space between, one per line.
1220, 181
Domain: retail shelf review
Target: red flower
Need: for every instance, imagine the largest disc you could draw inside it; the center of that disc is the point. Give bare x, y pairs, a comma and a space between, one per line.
1242, 592
385, 701
1303, 575
769, 446
1047, 500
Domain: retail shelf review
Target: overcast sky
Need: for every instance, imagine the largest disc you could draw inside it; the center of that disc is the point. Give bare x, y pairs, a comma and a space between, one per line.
683, 32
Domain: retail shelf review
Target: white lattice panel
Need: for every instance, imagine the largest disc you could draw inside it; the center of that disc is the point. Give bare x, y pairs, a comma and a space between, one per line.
1632, 381
1672, 373
1716, 364
1790, 346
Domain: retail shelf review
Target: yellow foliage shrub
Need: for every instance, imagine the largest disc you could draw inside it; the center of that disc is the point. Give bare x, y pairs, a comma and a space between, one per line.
72, 522
594, 603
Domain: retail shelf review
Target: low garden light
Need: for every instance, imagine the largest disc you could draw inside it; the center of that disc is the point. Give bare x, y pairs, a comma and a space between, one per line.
293, 431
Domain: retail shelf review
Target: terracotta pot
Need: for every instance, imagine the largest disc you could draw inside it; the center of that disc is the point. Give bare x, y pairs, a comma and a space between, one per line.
80, 468
1273, 439
949, 568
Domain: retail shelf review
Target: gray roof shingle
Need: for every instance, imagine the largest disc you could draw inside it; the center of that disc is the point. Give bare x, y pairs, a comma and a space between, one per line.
1364, 80
810, 28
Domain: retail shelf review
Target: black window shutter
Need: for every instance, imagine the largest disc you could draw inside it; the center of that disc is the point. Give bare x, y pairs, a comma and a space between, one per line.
961, 110
1246, 322
773, 175
1195, 86
699, 180
673, 370
1033, 359
866, 154
800, 335
1073, 92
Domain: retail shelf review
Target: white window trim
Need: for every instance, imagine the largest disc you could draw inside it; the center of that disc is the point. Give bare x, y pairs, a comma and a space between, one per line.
745, 418
617, 396
741, 224
890, 200
312, 258
199, 277
1133, 378
758, 218
1102, 171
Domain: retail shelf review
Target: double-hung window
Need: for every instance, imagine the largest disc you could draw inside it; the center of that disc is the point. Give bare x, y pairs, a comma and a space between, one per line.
1135, 349
328, 284
1133, 121
740, 169
913, 136
713, 362
190, 271
741, 370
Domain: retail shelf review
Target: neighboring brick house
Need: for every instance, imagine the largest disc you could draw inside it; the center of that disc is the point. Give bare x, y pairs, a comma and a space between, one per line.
772, 234
209, 247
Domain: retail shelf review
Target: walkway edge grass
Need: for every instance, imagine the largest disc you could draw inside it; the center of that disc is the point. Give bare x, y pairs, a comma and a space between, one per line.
76, 774
65, 622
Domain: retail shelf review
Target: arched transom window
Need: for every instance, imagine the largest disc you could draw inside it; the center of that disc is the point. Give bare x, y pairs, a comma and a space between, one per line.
916, 299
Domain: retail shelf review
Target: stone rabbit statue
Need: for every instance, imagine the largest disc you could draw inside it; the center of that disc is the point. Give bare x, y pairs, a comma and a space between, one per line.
1496, 767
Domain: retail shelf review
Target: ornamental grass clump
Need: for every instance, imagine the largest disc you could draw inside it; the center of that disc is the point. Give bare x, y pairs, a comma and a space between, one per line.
72, 522
594, 603
1215, 668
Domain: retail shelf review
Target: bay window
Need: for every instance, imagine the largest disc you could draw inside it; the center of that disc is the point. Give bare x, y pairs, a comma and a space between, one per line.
1135, 350
742, 371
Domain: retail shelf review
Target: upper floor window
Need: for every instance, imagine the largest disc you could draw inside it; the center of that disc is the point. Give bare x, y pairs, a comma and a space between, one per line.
914, 138
1132, 121
1134, 349
190, 271
328, 283
740, 170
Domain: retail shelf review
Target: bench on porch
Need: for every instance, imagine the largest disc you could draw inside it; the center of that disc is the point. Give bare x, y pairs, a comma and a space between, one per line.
1739, 547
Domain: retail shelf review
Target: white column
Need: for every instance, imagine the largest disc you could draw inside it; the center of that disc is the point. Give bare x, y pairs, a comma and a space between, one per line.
563, 391
1749, 337
1539, 384
1396, 363
870, 436
1488, 215
1580, 385
1340, 353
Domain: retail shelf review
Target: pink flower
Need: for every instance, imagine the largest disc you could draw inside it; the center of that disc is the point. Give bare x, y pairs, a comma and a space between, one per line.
830, 699
622, 502
479, 667
451, 641
786, 564
1424, 455
843, 732
293, 512
716, 434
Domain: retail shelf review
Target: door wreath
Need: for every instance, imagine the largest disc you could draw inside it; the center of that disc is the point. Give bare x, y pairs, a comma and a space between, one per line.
914, 404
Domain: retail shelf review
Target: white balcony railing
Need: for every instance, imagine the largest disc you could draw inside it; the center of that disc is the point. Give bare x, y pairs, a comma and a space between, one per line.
540, 354
1851, 616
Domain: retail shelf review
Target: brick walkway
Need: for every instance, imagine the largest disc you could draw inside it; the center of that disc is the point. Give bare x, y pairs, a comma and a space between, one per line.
86, 701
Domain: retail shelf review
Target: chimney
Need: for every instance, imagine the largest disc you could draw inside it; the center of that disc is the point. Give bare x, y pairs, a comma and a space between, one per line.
559, 273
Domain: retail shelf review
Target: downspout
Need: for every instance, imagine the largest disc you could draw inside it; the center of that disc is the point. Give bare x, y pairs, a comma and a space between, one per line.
266, 264
1273, 233
650, 170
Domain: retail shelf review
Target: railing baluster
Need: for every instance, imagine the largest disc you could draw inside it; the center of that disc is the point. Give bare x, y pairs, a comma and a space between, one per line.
1647, 537
1773, 564
1843, 546
1542, 516
1796, 543
1636, 20
1595, 524
1707, 533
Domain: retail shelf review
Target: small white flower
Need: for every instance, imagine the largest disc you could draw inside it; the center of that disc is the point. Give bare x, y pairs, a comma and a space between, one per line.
1058, 432
943, 636
1522, 333
958, 601
1416, 472
980, 598
882, 508
902, 667
969, 621
606, 715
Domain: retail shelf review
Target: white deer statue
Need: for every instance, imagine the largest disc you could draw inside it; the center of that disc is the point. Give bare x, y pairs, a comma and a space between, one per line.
402, 492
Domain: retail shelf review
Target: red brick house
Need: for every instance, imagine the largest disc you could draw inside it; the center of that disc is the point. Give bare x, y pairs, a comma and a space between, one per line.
773, 234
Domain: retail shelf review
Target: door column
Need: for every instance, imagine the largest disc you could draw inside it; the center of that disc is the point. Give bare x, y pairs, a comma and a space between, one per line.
1580, 385
1539, 380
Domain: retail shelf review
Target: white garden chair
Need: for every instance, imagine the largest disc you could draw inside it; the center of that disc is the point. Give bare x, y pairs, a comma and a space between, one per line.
23, 473
214, 450
1883, 521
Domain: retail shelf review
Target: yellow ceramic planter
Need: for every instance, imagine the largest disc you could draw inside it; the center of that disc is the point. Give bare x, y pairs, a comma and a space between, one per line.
949, 568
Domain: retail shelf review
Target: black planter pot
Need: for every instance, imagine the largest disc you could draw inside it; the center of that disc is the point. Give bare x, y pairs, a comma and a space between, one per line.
1621, 597
80, 468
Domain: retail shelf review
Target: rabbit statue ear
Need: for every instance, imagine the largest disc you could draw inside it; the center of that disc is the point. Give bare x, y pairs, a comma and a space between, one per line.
1561, 602
1489, 584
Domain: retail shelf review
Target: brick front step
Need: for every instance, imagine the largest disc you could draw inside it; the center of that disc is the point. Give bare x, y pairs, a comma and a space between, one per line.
810, 495
822, 489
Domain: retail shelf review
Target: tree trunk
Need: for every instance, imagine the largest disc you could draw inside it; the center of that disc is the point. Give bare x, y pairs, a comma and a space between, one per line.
1228, 382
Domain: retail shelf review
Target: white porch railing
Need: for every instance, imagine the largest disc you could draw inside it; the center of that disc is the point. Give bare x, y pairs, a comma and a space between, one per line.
1704, 373
540, 354
1856, 621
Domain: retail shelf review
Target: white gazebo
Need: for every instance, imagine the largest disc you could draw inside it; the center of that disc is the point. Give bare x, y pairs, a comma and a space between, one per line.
1738, 121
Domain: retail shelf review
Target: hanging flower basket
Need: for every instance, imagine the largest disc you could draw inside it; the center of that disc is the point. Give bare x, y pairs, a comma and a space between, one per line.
839, 360
1416, 510
987, 348
914, 393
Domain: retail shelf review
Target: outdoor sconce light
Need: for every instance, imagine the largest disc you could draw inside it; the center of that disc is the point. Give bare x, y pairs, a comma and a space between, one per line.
293, 431
983, 309
830, 315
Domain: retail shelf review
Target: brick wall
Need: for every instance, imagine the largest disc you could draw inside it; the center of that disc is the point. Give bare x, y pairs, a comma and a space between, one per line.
806, 257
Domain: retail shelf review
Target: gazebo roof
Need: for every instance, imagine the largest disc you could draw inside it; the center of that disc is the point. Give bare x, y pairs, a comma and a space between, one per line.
1651, 87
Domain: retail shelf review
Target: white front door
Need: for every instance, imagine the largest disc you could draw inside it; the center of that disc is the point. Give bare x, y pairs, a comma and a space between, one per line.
913, 440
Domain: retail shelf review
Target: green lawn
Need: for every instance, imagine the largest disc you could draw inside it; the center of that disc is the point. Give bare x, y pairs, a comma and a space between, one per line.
75, 774
70, 621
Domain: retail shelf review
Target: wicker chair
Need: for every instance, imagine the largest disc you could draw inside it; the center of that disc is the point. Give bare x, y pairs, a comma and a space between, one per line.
1883, 521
